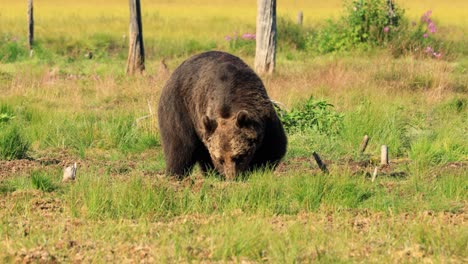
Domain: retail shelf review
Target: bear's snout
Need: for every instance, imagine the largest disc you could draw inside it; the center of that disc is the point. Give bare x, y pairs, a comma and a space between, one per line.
230, 170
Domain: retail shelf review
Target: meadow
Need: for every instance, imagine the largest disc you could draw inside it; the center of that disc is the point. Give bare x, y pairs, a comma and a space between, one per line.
60, 105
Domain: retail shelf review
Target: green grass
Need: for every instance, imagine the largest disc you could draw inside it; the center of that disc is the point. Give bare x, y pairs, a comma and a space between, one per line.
103, 196
300, 217
42, 181
13, 145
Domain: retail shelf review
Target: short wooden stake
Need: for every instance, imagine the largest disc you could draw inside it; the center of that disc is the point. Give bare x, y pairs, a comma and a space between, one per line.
321, 165
374, 175
69, 174
384, 155
364, 143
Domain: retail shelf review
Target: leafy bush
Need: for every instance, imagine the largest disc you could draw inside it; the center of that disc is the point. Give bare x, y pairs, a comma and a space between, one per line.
372, 21
366, 23
377, 23
13, 145
418, 38
316, 115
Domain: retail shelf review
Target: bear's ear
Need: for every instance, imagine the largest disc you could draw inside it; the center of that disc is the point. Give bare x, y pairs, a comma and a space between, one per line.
243, 119
209, 124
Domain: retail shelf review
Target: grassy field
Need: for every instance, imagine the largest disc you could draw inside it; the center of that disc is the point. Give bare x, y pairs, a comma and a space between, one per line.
65, 108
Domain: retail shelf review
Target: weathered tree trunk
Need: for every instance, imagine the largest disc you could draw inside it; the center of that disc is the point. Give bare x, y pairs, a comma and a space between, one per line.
30, 24
265, 52
391, 12
136, 51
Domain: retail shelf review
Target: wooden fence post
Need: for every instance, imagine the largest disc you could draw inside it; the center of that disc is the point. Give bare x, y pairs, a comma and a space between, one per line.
136, 51
30, 24
300, 18
265, 48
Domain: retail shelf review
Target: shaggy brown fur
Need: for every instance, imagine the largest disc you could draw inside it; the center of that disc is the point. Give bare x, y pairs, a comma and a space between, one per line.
214, 110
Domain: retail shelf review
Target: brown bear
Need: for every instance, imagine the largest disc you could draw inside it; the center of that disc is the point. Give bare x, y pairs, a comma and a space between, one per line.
214, 111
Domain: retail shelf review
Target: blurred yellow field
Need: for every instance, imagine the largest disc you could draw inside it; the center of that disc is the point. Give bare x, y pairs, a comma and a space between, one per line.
188, 19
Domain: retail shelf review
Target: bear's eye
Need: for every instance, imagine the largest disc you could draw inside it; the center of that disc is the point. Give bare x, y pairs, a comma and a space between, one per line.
221, 161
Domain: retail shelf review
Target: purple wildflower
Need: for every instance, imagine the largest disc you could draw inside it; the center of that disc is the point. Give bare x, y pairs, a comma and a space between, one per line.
431, 27
425, 35
248, 36
227, 38
386, 29
437, 55
429, 49
426, 16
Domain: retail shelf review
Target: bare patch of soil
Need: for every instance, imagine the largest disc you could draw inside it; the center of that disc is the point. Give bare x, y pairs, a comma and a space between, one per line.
35, 255
8, 168
47, 206
361, 167
62, 159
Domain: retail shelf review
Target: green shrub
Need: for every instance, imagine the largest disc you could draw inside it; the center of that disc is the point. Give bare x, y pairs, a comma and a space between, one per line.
365, 23
419, 38
316, 115
13, 145
371, 21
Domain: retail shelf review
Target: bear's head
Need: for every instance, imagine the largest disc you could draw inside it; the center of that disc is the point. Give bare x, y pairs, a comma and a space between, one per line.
232, 142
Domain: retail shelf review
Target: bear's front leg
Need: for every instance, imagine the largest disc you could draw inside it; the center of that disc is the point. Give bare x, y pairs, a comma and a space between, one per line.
179, 161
